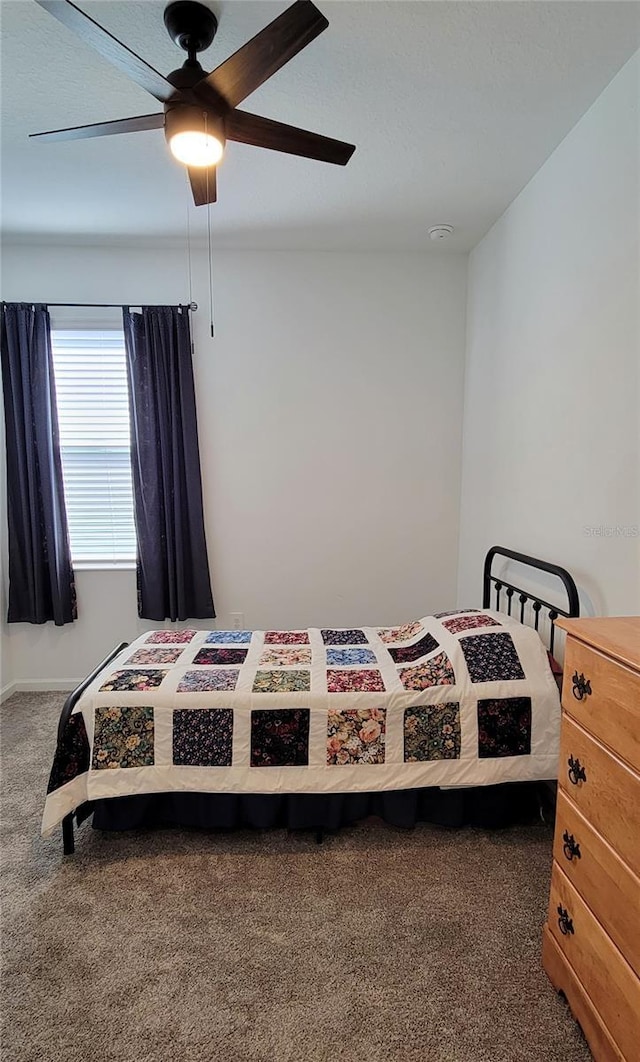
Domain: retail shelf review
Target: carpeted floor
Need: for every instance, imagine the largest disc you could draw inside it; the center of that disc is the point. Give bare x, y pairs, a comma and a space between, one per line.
419, 946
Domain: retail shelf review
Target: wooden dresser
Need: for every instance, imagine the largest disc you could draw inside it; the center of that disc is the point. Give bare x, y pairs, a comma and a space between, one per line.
591, 942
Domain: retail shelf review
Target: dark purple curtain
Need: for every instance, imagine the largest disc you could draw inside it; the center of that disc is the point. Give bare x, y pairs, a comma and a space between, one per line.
173, 570
41, 585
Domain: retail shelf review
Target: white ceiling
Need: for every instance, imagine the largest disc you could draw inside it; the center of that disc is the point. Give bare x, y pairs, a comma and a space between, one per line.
453, 107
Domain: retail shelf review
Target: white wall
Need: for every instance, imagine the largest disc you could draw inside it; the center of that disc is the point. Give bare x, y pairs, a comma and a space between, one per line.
330, 411
552, 401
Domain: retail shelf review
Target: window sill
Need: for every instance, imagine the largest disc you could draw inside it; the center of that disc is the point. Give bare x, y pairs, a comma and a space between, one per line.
103, 566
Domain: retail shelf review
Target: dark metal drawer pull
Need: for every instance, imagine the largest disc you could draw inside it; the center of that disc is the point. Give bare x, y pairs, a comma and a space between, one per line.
576, 772
564, 922
571, 848
581, 687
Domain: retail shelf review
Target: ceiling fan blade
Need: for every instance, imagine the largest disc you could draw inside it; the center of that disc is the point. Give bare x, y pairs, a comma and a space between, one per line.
265, 53
263, 132
203, 184
110, 48
122, 125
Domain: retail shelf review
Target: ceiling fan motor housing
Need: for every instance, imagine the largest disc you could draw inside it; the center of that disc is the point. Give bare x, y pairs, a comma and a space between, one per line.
187, 75
191, 26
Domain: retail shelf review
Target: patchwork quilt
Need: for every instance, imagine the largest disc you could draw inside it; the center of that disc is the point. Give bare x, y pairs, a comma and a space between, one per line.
456, 699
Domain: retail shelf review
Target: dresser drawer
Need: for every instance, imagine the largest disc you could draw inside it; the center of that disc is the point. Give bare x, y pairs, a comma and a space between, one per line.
606, 885
608, 795
564, 980
609, 981
611, 711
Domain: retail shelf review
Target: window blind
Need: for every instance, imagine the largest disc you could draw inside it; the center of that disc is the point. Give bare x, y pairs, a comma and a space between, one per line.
93, 415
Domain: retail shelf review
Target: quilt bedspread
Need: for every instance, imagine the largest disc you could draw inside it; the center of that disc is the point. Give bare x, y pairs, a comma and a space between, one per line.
459, 698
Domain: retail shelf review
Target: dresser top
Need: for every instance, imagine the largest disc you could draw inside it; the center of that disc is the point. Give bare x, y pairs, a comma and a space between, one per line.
617, 636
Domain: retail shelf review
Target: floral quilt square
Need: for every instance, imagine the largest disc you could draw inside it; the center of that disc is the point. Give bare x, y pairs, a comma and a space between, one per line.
202, 737
435, 672
280, 737
286, 656
504, 727
467, 623
365, 681
454, 612
220, 656
282, 682
286, 638
432, 732
389, 635
344, 637
137, 680
171, 637
406, 654
356, 736
491, 657
228, 637
344, 657
123, 737
200, 681
72, 754
155, 656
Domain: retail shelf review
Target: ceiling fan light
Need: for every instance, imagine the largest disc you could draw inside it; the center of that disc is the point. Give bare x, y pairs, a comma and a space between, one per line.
196, 149
195, 137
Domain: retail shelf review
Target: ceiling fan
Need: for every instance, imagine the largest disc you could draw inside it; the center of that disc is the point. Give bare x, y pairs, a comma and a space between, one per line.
201, 110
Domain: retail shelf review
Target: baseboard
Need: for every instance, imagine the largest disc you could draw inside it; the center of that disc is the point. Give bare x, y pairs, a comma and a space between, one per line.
7, 690
39, 686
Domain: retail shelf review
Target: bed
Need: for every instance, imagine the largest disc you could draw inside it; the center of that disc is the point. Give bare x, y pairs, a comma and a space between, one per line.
314, 728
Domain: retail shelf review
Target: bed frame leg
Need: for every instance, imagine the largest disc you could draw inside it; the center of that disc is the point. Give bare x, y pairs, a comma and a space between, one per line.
68, 844
319, 836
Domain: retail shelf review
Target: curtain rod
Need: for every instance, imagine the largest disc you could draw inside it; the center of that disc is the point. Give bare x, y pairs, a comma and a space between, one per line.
110, 305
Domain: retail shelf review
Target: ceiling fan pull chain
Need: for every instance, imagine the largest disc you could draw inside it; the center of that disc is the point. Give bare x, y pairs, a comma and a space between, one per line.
210, 271
209, 240
189, 262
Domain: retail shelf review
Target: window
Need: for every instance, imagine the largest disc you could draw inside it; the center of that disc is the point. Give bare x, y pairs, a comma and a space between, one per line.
93, 415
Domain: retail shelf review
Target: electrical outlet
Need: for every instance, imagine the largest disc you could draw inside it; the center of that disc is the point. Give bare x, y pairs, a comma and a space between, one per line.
237, 621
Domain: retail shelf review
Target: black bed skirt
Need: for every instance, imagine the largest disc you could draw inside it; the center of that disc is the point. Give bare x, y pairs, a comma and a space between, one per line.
492, 806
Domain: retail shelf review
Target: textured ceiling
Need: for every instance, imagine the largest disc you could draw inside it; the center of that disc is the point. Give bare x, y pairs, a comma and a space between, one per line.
453, 107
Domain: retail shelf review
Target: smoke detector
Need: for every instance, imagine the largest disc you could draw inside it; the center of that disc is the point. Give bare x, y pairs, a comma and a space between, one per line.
440, 232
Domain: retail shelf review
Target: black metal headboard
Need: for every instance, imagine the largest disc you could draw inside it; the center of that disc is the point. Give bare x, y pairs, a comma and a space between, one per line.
525, 596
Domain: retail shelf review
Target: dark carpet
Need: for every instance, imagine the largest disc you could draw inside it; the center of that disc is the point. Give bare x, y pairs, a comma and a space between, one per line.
420, 946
